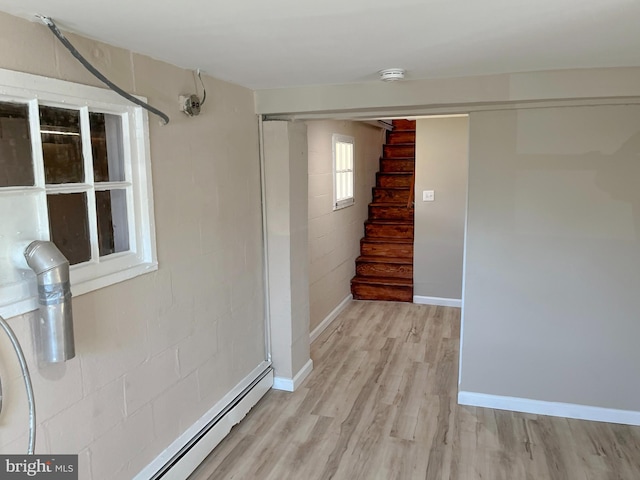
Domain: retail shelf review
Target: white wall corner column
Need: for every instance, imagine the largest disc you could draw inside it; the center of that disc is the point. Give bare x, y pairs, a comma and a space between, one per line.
442, 151
286, 180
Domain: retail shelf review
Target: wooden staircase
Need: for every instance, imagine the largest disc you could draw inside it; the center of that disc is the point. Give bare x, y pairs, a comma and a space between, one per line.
384, 269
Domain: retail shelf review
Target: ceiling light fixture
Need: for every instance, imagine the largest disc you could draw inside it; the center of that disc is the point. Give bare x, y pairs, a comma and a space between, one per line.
392, 74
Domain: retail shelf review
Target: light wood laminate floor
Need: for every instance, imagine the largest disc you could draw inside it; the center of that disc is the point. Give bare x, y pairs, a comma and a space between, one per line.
381, 404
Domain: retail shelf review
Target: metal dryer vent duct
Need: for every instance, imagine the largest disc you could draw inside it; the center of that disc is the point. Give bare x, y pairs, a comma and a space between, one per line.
54, 330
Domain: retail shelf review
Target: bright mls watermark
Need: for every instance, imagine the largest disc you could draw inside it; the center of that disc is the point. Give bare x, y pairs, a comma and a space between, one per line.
51, 467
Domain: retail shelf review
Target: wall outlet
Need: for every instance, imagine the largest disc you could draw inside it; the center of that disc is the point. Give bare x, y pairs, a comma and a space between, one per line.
428, 196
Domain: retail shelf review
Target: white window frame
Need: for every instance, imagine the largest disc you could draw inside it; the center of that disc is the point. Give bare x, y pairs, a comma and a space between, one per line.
342, 201
18, 297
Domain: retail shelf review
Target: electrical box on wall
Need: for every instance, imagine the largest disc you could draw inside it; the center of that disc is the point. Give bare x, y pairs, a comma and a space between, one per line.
190, 104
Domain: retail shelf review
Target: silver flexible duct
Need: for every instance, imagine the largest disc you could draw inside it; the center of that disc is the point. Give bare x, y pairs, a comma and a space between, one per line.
54, 330
27, 383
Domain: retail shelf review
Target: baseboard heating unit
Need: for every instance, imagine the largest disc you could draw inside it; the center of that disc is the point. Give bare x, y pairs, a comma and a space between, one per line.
184, 455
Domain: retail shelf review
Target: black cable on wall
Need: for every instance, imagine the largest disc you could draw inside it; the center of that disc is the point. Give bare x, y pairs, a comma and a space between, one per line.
85, 63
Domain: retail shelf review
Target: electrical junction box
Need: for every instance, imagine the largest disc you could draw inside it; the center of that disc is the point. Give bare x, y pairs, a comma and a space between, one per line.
190, 104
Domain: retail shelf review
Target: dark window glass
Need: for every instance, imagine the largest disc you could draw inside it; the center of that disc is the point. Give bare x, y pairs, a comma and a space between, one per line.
69, 225
113, 228
107, 148
61, 145
16, 164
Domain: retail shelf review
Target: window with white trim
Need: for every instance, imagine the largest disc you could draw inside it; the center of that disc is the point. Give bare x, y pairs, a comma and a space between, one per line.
343, 171
74, 169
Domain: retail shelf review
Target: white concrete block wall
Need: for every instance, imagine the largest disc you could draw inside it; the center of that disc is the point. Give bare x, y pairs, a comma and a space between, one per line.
334, 237
156, 352
285, 159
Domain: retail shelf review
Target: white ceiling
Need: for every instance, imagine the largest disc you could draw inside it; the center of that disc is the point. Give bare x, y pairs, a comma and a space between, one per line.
283, 43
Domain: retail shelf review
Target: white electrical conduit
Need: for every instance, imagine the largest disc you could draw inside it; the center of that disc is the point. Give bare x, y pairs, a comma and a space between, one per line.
265, 240
27, 383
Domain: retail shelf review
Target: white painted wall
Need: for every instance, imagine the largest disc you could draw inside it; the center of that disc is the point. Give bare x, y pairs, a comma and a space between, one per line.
334, 236
441, 166
553, 256
285, 158
153, 353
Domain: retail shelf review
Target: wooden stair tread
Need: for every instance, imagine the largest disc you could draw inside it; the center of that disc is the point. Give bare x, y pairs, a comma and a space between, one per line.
388, 281
378, 259
397, 165
402, 123
386, 204
387, 221
398, 179
387, 240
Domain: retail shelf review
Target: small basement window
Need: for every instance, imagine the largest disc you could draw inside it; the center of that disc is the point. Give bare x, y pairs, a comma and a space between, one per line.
343, 171
74, 169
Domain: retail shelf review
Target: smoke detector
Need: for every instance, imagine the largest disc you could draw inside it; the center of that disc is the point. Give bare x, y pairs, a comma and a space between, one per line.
392, 74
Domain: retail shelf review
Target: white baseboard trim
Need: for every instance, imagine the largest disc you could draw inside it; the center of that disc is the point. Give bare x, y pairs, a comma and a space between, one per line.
554, 409
194, 456
440, 302
290, 384
330, 318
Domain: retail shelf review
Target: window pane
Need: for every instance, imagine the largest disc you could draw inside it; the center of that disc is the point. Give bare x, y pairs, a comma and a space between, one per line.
345, 185
340, 186
61, 145
69, 225
16, 165
21, 222
113, 227
343, 171
106, 145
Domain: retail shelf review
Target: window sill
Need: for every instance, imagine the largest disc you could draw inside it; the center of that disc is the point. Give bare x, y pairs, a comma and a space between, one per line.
29, 300
97, 283
340, 206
